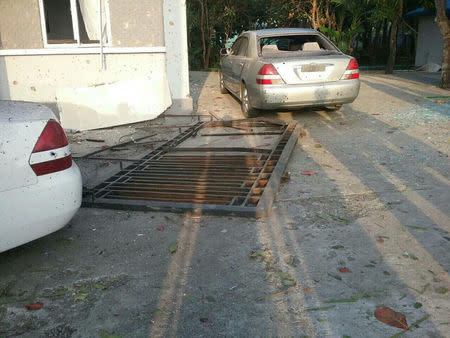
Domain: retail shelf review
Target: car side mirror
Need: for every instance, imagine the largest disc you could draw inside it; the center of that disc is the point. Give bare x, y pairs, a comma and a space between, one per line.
224, 51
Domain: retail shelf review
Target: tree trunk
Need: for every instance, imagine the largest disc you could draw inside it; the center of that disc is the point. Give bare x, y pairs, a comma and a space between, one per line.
373, 54
202, 30
444, 25
392, 47
393, 39
385, 34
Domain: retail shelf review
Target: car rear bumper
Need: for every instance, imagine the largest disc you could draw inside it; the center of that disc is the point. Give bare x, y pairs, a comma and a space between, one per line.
292, 96
34, 211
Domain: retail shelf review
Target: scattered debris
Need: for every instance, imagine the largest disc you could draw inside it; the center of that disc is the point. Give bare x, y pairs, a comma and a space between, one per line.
344, 270
34, 306
417, 305
406, 254
308, 172
425, 288
286, 177
307, 290
334, 276
160, 229
95, 140
390, 317
224, 231
204, 320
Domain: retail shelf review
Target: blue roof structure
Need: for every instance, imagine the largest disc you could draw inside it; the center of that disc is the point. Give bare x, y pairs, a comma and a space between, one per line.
422, 11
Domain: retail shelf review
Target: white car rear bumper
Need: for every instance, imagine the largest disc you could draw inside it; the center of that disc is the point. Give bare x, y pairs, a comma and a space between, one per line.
34, 211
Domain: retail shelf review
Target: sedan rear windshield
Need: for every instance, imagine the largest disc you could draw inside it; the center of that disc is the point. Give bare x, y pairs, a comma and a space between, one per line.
304, 43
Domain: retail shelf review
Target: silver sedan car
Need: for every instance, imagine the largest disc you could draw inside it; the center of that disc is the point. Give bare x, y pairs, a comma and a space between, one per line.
287, 68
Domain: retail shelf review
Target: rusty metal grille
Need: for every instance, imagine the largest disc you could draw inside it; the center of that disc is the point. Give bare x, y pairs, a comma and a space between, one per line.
237, 180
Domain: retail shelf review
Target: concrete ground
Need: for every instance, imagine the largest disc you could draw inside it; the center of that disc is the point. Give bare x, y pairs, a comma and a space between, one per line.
369, 229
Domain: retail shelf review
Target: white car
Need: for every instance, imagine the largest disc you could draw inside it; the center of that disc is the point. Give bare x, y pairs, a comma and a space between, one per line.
40, 185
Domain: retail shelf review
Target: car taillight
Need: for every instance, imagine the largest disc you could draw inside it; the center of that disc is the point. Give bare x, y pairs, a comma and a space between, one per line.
51, 154
352, 71
268, 75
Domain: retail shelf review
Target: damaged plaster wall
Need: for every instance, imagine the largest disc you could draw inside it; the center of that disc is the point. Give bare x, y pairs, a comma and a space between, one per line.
133, 87
20, 24
137, 23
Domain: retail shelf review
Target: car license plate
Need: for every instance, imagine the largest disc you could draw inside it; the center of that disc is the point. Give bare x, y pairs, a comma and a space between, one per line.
313, 68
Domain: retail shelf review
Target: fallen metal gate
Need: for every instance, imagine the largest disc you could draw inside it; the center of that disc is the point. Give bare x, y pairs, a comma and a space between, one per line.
233, 180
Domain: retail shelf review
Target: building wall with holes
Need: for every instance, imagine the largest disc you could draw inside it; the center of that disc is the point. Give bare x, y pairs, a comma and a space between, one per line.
131, 84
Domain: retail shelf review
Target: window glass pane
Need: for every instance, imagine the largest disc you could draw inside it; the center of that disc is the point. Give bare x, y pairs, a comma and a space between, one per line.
236, 45
58, 21
243, 47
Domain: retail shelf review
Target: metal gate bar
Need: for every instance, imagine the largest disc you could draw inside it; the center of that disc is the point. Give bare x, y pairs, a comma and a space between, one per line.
231, 180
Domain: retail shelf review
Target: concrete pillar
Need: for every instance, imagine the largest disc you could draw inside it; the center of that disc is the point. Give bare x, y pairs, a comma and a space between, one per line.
175, 34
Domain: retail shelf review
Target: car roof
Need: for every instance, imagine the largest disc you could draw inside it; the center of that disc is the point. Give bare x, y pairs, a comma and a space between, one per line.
20, 111
275, 31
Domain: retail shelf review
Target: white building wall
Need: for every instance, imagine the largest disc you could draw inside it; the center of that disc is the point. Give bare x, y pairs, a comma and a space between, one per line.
132, 88
429, 42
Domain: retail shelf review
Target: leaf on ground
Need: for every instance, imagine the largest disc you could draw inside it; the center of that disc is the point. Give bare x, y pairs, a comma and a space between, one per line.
416, 227
335, 276
81, 296
417, 305
288, 282
106, 334
98, 286
34, 306
307, 290
441, 290
160, 229
344, 270
390, 317
321, 308
308, 172
275, 295
317, 145
210, 299
173, 247
190, 299
412, 326
347, 300
204, 320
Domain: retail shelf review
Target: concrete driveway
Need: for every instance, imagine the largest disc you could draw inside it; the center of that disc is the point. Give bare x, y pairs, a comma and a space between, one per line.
369, 229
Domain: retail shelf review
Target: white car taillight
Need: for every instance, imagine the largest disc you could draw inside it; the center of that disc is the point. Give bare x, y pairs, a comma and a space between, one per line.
51, 152
268, 75
352, 71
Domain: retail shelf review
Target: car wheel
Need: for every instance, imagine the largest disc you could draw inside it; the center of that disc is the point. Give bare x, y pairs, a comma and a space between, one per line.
246, 107
336, 107
223, 89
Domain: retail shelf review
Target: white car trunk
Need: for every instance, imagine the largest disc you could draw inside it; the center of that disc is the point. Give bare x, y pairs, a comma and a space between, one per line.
309, 69
21, 125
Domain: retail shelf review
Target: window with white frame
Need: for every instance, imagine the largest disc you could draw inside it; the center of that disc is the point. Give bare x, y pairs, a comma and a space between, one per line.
75, 22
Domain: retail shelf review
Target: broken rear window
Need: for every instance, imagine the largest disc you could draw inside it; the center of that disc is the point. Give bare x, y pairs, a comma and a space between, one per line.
302, 43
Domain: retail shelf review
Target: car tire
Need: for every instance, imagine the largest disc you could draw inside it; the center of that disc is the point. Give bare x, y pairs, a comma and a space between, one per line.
246, 107
223, 89
335, 107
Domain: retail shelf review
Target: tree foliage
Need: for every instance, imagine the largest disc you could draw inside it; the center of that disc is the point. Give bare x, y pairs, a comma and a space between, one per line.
366, 29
